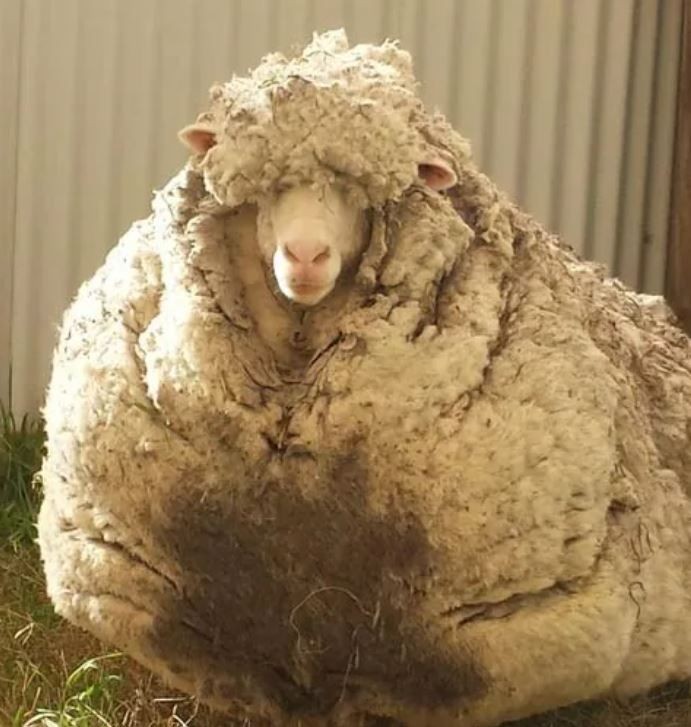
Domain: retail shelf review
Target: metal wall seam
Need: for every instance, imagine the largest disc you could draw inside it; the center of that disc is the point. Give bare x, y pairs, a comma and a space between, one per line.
10, 51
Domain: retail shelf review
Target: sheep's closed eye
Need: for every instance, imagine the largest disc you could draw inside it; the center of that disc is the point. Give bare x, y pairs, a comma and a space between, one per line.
322, 257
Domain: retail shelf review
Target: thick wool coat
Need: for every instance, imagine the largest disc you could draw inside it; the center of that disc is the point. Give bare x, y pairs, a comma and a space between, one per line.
455, 493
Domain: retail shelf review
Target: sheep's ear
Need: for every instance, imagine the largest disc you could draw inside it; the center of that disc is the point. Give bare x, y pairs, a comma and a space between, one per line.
437, 174
199, 138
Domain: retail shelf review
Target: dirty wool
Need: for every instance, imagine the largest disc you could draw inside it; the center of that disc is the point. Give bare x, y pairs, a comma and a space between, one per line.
455, 492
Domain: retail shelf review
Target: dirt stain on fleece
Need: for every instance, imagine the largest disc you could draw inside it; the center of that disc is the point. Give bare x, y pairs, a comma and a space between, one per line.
302, 600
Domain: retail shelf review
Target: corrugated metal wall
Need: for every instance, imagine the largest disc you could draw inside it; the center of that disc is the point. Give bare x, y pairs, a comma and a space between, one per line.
9, 89
569, 105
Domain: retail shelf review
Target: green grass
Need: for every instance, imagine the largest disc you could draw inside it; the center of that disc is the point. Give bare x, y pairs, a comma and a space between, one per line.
53, 675
88, 693
21, 450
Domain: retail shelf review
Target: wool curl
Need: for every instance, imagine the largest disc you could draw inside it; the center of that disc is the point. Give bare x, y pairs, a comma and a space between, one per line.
359, 117
463, 500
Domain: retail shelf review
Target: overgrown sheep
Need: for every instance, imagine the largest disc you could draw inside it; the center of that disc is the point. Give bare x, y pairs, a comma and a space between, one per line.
338, 435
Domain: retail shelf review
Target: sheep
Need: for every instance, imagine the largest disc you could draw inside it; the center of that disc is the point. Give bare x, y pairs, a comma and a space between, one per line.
448, 486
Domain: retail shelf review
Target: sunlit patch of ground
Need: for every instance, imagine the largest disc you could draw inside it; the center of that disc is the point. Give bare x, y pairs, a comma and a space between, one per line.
54, 674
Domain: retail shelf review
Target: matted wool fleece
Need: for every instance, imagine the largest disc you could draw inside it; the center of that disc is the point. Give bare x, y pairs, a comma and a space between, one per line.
463, 500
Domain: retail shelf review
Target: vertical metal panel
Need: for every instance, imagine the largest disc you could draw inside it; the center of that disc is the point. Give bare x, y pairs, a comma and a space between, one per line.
614, 50
434, 49
571, 163
328, 14
628, 256
96, 139
473, 35
254, 37
45, 196
401, 22
215, 47
293, 21
135, 136
568, 105
539, 132
678, 267
10, 50
175, 64
658, 178
367, 21
507, 79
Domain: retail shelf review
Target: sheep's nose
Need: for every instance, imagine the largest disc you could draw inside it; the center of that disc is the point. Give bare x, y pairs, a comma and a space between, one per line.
306, 253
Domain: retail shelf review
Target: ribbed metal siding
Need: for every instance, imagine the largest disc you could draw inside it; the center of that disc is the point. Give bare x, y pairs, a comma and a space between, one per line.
569, 105
10, 21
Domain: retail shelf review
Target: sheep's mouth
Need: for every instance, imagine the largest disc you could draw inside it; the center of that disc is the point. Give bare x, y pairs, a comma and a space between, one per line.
306, 288
308, 293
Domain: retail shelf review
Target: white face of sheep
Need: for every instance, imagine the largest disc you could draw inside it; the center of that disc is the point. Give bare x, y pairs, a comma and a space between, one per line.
310, 236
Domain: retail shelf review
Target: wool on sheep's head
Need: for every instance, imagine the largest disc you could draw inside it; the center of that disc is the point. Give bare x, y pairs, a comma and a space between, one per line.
330, 114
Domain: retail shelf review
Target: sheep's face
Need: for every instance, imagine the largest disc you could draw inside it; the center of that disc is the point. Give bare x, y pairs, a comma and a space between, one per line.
309, 233
308, 236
